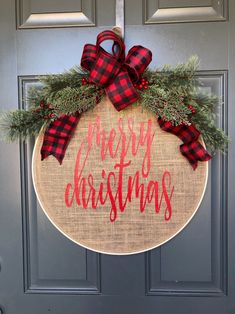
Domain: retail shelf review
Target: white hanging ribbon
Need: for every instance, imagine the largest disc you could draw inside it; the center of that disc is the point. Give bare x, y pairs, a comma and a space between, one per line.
120, 16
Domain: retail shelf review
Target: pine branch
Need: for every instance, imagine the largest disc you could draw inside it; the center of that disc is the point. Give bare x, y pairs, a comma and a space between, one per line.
167, 104
183, 73
205, 121
70, 100
34, 97
170, 90
20, 124
55, 83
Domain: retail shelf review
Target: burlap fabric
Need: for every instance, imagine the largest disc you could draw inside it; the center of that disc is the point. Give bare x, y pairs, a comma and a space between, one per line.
132, 231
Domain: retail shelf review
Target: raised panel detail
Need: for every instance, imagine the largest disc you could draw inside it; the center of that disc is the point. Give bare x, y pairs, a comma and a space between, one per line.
170, 11
52, 263
195, 262
51, 13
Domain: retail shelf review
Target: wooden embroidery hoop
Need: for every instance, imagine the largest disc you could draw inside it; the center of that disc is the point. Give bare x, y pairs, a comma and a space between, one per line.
132, 232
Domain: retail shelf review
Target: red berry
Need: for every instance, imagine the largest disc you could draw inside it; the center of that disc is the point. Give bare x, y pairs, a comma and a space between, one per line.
84, 81
146, 83
192, 109
140, 86
146, 87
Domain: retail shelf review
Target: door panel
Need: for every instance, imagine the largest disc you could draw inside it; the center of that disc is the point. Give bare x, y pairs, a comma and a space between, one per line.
171, 11
41, 270
62, 13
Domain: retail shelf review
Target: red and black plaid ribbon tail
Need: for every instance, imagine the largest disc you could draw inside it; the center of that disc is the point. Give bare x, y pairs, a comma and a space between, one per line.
191, 148
113, 72
57, 137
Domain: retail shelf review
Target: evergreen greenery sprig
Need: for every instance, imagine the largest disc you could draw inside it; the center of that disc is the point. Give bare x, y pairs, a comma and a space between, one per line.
171, 91
172, 94
205, 121
58, 82
21, 124
76, 99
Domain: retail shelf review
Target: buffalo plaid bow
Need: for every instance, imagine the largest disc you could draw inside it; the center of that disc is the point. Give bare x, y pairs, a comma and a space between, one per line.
191, 148
115, 73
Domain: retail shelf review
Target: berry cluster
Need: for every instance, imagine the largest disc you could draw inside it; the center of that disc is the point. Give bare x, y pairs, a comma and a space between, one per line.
192, 109
99, 92
49, 116
45, 110
84, 81
44, 105
142, 84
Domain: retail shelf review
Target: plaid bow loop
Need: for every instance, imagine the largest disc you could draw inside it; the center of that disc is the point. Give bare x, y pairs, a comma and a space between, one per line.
114, 72
136, 61
191, 148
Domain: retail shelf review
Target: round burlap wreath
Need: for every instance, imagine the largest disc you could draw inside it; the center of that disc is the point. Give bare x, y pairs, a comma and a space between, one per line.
114, 204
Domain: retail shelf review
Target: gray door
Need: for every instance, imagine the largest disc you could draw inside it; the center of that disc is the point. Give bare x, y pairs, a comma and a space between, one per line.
41, 271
